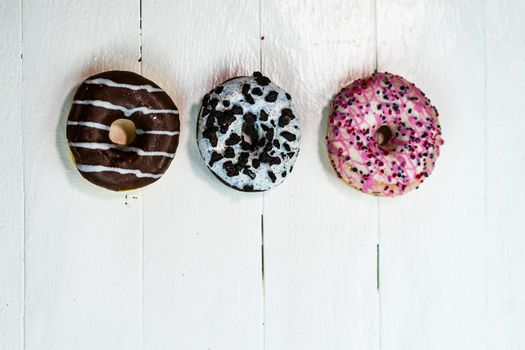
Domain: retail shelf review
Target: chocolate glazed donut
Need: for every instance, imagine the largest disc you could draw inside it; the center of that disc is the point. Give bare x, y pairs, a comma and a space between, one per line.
123, 130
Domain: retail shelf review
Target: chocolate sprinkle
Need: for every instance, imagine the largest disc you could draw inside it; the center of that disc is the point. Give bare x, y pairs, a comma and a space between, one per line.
284, 120
214, 158
288, 135
257, 91
250, 118
271, 97
237, 110
272, 176
233, 139
229, 152
263, 116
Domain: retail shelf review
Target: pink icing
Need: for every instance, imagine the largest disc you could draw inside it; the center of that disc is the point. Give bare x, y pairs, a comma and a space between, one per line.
407, 158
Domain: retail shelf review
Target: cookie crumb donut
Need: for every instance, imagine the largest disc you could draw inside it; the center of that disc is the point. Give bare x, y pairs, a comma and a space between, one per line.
383, 135
248, 133
123, 130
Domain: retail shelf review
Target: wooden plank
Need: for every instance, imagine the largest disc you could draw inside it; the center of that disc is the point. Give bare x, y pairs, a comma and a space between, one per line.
319, 234
432, 246
202, 263
505, 162
82, 243
11, 186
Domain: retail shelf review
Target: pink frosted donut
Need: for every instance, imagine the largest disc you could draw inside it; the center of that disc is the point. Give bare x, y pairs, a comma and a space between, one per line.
383, 135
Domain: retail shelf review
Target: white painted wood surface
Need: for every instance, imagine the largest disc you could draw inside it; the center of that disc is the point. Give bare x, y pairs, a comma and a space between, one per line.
505, 158
202, 240
320, 238
179, 265
82, 244
432, 241
11, 185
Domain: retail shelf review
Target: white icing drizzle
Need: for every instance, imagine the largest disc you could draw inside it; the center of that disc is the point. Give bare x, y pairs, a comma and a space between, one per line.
89, 125
111, 83
106, 127
127, 111
106, 146
100, 168
157, 132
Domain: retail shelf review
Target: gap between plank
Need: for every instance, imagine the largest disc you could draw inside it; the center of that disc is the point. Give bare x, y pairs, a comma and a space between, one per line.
262, 249
485, 144
261, 38
263, 286
376, 61
378, 266
140, 35
141, 208
380, 313
23, 238
378, 275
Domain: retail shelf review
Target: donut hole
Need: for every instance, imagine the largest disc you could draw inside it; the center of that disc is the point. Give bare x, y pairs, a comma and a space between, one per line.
122, 132
384, 135
250, 133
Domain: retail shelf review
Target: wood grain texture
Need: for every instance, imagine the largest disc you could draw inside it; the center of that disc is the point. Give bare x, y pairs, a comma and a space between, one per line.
505, 158
82, 243
432, 241
202, 260
11, 185
319, 234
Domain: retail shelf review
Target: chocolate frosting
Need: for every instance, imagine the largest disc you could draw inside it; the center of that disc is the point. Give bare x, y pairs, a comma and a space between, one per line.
99, 101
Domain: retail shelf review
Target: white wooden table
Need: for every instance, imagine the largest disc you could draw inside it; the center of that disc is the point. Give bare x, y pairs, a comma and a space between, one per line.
190, 264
